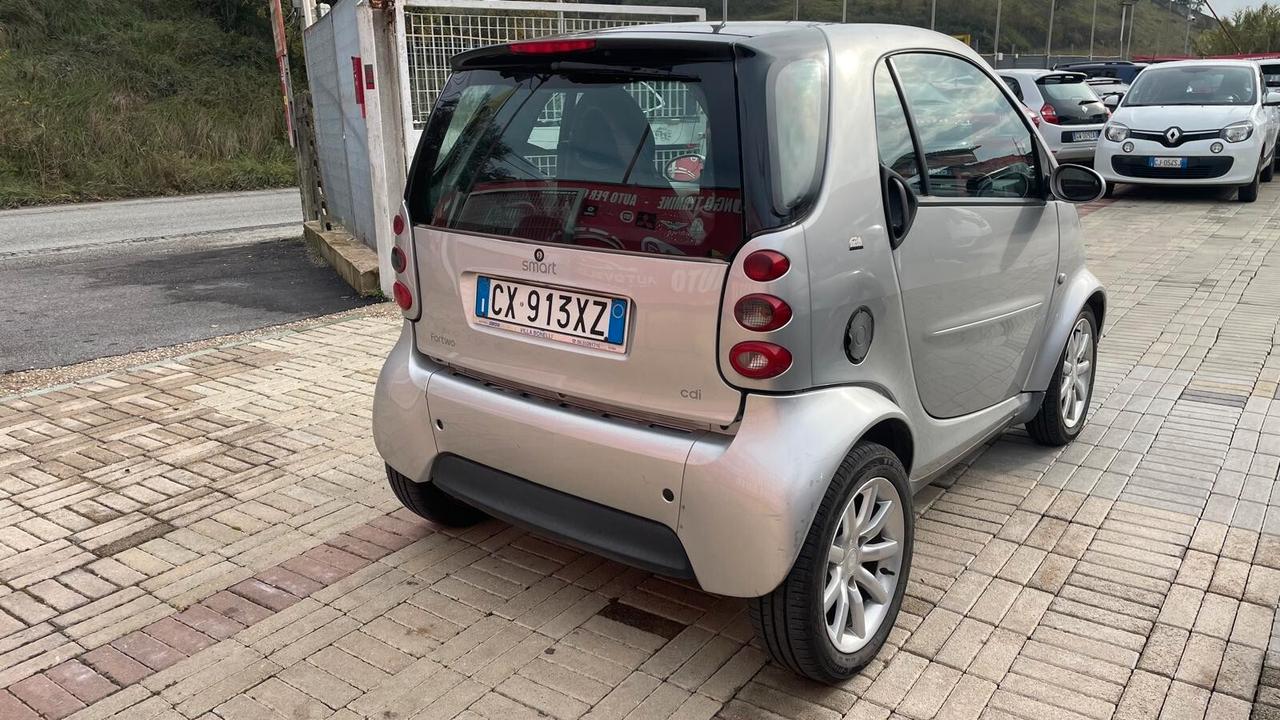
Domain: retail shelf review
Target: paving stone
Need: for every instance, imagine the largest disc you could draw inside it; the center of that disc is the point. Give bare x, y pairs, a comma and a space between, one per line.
115, 665
1164, 650
1137, 568
86, 684
896, 680
180, 637
11, 708
1201, 660
45, 697
1143, 698
930, 691
147, 650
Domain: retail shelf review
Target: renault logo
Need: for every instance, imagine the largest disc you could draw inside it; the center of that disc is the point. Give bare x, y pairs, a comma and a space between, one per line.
1172, 135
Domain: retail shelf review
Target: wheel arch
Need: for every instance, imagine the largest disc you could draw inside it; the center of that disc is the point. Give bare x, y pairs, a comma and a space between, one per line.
776, 470
1082, 289
895, 434
1097, 302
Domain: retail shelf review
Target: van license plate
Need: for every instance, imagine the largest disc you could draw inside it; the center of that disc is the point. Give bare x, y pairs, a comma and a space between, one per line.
1084, 135
1168, 162
583, 319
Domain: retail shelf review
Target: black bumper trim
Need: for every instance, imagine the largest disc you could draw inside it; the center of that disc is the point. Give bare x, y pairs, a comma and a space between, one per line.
615, 534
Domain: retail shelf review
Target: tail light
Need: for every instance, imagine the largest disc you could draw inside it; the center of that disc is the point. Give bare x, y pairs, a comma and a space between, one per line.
765, 265
759, 360
1034, 118
761, 313
1048, 114
552, 47
400, 289
404, 298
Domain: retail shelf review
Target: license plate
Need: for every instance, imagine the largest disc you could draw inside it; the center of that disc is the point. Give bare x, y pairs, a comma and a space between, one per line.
1083, 135
567, 316
1168, 162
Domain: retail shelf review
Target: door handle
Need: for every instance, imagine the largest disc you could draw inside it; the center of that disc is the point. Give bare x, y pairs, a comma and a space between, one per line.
900, 205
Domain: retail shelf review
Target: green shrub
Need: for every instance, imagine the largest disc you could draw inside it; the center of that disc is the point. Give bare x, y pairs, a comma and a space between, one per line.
117, 98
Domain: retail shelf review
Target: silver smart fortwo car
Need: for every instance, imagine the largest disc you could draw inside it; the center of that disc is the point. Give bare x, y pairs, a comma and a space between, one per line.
714, 300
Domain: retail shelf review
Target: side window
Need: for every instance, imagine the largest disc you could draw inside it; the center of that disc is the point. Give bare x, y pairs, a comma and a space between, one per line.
1014, 87
975, 142
797, 113
893, 137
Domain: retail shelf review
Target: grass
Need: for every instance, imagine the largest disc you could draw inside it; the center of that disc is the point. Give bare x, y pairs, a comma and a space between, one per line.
105, 99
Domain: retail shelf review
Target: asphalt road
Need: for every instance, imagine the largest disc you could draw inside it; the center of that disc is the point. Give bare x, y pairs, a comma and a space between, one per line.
63, 227
88, 281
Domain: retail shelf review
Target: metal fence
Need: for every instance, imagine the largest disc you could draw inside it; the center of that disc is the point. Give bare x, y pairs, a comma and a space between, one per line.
1038, 60
430, 32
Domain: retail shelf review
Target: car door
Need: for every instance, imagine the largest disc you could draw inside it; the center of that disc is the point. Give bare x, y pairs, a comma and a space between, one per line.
976, 266
1270, 113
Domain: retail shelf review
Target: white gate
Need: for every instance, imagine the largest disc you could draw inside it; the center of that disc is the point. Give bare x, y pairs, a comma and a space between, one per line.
430, 32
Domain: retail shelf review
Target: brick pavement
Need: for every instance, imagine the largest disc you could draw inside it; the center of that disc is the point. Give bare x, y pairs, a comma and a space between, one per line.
211, 537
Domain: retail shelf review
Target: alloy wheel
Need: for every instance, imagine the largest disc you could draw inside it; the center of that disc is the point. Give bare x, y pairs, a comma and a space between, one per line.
863, 564
1077, 374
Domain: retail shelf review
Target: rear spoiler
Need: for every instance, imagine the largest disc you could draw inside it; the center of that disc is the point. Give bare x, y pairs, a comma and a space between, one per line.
599, 47
1061, 77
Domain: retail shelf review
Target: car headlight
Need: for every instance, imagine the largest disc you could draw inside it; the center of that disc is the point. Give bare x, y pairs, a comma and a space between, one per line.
1115, 132
1237, 132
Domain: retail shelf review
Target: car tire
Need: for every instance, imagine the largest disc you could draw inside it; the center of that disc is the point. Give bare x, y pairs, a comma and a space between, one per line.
1249, 193
1268, 171
431, 503
1061, 417
1110, 189
794, 622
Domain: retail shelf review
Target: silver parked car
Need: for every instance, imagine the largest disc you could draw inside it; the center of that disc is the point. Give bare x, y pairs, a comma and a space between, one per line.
714, 300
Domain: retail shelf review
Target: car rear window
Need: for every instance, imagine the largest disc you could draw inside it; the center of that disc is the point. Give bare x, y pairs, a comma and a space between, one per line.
578, 153
1072, 99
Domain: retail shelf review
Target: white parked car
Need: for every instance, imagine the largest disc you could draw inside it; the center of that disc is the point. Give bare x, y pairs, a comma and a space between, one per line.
1194, 122
1070, 114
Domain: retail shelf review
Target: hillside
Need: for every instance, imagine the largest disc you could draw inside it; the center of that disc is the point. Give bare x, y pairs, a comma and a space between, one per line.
117, 98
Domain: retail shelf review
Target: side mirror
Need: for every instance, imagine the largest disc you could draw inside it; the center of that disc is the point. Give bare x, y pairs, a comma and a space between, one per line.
1272, 99
1077, 184
1112, 101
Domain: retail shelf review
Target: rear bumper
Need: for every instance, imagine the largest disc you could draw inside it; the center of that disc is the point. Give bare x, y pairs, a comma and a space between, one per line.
738, 506
1075, 151
617, 535
1069, 150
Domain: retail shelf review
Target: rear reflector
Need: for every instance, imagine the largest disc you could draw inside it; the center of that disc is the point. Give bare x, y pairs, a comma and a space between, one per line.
403, 297
397, 225
765, 265
398, 260
759, 360
761, 313
551, 47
